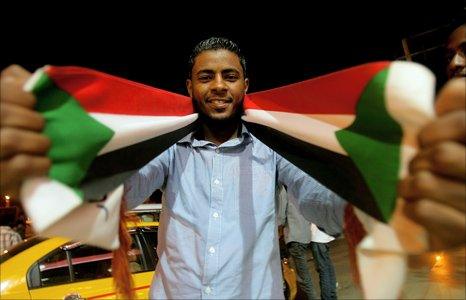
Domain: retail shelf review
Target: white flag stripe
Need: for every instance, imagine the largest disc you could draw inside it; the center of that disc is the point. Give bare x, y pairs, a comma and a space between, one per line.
46, 201
303, 127
56, 210
409, 96
340, 121
92, 223
31, 82
379, 253
130, 129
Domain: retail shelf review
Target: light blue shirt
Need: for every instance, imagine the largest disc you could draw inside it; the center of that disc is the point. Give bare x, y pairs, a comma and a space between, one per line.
218, 230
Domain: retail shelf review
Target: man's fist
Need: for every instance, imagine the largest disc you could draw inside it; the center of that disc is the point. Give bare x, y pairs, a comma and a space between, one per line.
22, 147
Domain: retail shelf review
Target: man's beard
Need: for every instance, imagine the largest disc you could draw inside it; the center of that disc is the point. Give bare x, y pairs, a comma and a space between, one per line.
204, 118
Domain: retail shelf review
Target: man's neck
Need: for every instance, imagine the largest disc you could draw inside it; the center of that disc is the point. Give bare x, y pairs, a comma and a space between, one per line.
219, 136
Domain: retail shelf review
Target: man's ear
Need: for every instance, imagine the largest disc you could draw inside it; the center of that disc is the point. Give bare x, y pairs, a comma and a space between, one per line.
246, 85
189, 87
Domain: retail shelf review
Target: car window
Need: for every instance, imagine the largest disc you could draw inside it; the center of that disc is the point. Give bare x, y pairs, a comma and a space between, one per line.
54, 268
90, 263
77, 262
95, 263
136, 257
149, 237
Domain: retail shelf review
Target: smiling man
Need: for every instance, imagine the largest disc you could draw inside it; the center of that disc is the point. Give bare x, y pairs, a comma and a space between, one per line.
218, 231
217, 235
217, 85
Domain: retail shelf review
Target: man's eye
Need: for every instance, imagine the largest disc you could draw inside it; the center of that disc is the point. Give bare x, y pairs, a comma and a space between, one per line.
463, 47
449, 55
231, 77
204, 78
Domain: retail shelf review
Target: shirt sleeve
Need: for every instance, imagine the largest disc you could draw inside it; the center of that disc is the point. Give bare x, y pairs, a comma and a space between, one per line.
317, 204
149, 178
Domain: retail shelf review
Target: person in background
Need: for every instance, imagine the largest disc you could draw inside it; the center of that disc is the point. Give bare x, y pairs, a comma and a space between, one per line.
455, 49
323, 262
8, 237
299, 235
20, 224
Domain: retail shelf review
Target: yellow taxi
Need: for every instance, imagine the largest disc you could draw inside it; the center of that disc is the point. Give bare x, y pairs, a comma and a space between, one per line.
57, 268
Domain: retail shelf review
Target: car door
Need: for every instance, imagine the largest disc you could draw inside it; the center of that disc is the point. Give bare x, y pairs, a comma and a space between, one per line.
79, 271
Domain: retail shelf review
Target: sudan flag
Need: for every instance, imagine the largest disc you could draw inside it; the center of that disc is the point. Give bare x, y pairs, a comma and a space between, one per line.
349, 130
354, 131
103, 129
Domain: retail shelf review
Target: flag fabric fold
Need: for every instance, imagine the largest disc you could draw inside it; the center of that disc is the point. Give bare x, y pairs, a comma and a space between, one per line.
103, 129
336, 127
353, 130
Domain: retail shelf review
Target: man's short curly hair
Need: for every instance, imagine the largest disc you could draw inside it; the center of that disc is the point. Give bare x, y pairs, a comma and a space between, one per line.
216, 43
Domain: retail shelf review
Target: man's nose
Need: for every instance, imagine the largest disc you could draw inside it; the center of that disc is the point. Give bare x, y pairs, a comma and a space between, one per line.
218, 84
459, 60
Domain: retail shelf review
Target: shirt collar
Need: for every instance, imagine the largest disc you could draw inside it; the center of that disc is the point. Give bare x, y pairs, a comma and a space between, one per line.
245, 137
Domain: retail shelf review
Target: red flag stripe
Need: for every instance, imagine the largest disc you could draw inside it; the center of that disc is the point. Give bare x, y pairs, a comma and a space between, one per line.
102, 93
335, 93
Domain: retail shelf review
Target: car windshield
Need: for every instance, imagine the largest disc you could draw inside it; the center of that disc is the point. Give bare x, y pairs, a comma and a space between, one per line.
28, 243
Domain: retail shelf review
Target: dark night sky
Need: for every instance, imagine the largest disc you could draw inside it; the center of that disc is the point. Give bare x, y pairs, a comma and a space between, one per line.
283, 44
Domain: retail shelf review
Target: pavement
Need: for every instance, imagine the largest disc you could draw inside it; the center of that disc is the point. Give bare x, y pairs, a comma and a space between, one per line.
435, 275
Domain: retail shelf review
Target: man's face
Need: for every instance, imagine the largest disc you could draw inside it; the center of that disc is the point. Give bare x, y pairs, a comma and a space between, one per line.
217, 84
456, 53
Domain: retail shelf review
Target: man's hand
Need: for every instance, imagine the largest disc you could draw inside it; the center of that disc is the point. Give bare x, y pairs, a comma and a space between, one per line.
22, 146
435, 191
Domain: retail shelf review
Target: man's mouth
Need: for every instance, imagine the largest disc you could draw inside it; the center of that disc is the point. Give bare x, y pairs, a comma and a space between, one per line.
461, 73
218, 103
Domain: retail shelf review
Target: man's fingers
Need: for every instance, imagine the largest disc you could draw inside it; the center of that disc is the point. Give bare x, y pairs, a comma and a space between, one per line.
13, 171
424, 184
450, 106
20, 117
23, 148
435, 193
446, 225
451, 97
16, 71
15, 141
12, 81
451, 126
447, 158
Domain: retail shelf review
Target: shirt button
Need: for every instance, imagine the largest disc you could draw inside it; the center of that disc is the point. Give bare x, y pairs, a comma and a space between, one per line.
208, 290
217, 181
217, 150
212, 250
215, 215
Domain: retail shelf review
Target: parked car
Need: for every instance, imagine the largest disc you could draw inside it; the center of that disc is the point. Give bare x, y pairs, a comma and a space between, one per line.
45, 268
